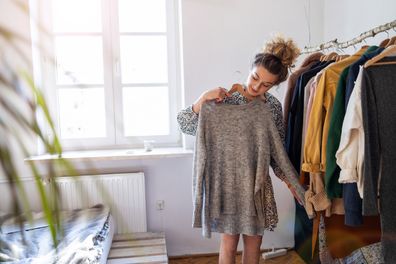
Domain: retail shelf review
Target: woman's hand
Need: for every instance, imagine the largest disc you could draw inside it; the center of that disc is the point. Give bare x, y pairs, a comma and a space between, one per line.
296, 196
302, 203
218, 94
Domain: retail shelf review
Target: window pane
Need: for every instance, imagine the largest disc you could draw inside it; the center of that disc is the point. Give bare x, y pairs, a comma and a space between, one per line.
77, 15
82, 113
144, 59
79, 59
142, 15
146, 111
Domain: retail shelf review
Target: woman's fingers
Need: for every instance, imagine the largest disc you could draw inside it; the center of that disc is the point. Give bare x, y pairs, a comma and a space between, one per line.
222, 94
226, 92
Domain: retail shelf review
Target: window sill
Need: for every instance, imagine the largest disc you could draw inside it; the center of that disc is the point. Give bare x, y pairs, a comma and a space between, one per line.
117, 154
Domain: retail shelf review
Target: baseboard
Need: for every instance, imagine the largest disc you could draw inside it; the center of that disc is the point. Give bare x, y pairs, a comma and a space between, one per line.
214, 254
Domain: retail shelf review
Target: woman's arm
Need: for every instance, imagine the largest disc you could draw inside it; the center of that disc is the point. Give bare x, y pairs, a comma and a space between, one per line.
188, 121
276, 109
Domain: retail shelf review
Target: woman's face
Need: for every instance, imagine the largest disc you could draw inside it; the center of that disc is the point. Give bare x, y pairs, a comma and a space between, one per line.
260, 80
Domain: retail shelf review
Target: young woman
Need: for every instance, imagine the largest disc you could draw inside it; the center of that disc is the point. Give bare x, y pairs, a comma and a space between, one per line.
269, 68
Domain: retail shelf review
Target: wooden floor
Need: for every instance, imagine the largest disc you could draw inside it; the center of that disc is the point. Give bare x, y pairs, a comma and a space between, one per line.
290, 258
138, 248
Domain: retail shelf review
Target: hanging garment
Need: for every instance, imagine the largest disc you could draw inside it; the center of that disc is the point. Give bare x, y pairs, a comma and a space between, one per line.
302, 236
379, 109
317, 132
291, 82
355, 67
296, 112
188, 120
333, 188
232, 189
303, 224
352, 201
307, 93
319, 120
350, 155
312, 93
316, 198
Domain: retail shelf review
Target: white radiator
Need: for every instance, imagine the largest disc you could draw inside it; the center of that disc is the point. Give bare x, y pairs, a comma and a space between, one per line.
123, 193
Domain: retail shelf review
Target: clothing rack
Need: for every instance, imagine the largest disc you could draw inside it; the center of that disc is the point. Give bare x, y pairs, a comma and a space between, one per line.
342, 45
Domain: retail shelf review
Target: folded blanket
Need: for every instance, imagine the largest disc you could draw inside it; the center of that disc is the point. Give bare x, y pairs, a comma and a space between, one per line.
83, 231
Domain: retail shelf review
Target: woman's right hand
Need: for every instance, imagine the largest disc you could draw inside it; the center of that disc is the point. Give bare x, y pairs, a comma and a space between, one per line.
218, 94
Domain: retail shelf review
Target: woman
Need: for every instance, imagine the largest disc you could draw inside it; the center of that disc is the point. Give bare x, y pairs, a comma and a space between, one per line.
270, 68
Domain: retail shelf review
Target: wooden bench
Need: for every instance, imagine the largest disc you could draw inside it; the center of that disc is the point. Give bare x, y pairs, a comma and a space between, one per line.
138, 248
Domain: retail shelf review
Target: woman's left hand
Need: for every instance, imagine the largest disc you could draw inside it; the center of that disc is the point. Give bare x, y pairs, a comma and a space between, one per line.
296, 196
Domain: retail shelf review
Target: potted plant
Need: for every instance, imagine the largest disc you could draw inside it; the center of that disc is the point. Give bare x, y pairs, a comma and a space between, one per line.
22, 105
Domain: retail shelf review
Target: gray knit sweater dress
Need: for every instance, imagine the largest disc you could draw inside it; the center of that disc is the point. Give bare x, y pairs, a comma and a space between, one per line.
236, 142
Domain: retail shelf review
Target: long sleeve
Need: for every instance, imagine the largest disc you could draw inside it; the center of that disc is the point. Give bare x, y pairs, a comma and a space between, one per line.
371, 147
312, 93
198, 181
188, 121
350, 153
307, 92
316, 129
276, 110
332, 186
290, 176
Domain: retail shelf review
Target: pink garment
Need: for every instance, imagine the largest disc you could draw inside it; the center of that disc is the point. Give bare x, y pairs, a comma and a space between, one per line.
307, 92
312, 92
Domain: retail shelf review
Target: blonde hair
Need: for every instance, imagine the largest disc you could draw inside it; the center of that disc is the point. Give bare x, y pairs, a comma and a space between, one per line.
284, 49
278, 56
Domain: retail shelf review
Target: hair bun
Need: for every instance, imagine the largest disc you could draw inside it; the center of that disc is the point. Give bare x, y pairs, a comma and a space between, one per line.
284, 49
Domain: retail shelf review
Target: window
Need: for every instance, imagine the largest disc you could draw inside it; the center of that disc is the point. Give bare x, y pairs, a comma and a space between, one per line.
114, 80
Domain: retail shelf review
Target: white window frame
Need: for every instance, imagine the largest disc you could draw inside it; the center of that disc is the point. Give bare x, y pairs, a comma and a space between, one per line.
44, 71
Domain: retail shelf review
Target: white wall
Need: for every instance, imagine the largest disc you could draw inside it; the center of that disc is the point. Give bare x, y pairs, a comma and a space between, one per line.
345, 20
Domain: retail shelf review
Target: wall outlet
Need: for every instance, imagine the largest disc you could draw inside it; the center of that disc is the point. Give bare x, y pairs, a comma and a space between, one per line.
160, 205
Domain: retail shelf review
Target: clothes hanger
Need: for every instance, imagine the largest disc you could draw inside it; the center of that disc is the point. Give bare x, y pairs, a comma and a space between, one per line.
333, 56
330, 56
384, 43
323, 57
392, 41
341, 57
388, 52
239, 88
